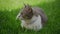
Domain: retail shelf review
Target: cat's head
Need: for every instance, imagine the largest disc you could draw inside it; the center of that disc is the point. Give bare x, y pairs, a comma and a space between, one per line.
27, 12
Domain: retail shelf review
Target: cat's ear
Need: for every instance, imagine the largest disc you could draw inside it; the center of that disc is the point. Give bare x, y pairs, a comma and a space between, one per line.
28, 5
24, 5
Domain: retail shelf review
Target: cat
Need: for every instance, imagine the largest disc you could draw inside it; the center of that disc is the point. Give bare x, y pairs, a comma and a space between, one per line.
32, 18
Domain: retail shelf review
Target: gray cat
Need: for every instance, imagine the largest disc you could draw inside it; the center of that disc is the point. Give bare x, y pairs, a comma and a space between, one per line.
32, 18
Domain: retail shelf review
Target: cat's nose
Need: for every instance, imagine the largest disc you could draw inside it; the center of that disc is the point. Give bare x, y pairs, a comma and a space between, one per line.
17, 17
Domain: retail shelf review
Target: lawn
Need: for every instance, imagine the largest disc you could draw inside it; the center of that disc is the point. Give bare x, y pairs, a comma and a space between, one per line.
9, 24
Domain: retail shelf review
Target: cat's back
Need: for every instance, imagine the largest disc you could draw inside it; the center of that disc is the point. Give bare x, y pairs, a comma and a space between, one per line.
40, 11
37, 9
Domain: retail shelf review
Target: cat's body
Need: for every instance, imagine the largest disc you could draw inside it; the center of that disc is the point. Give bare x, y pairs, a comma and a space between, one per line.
32, 18
34, 25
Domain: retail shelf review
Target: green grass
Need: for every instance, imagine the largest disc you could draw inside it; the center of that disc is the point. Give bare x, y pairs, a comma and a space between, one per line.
9, 24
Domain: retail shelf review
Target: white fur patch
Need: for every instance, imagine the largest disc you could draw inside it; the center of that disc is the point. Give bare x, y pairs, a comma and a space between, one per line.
37, 25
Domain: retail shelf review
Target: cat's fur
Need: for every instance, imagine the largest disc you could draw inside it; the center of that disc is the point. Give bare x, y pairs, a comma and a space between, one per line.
32, 18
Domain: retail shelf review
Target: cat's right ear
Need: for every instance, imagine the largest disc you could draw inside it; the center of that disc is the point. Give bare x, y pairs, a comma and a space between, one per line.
24, 5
